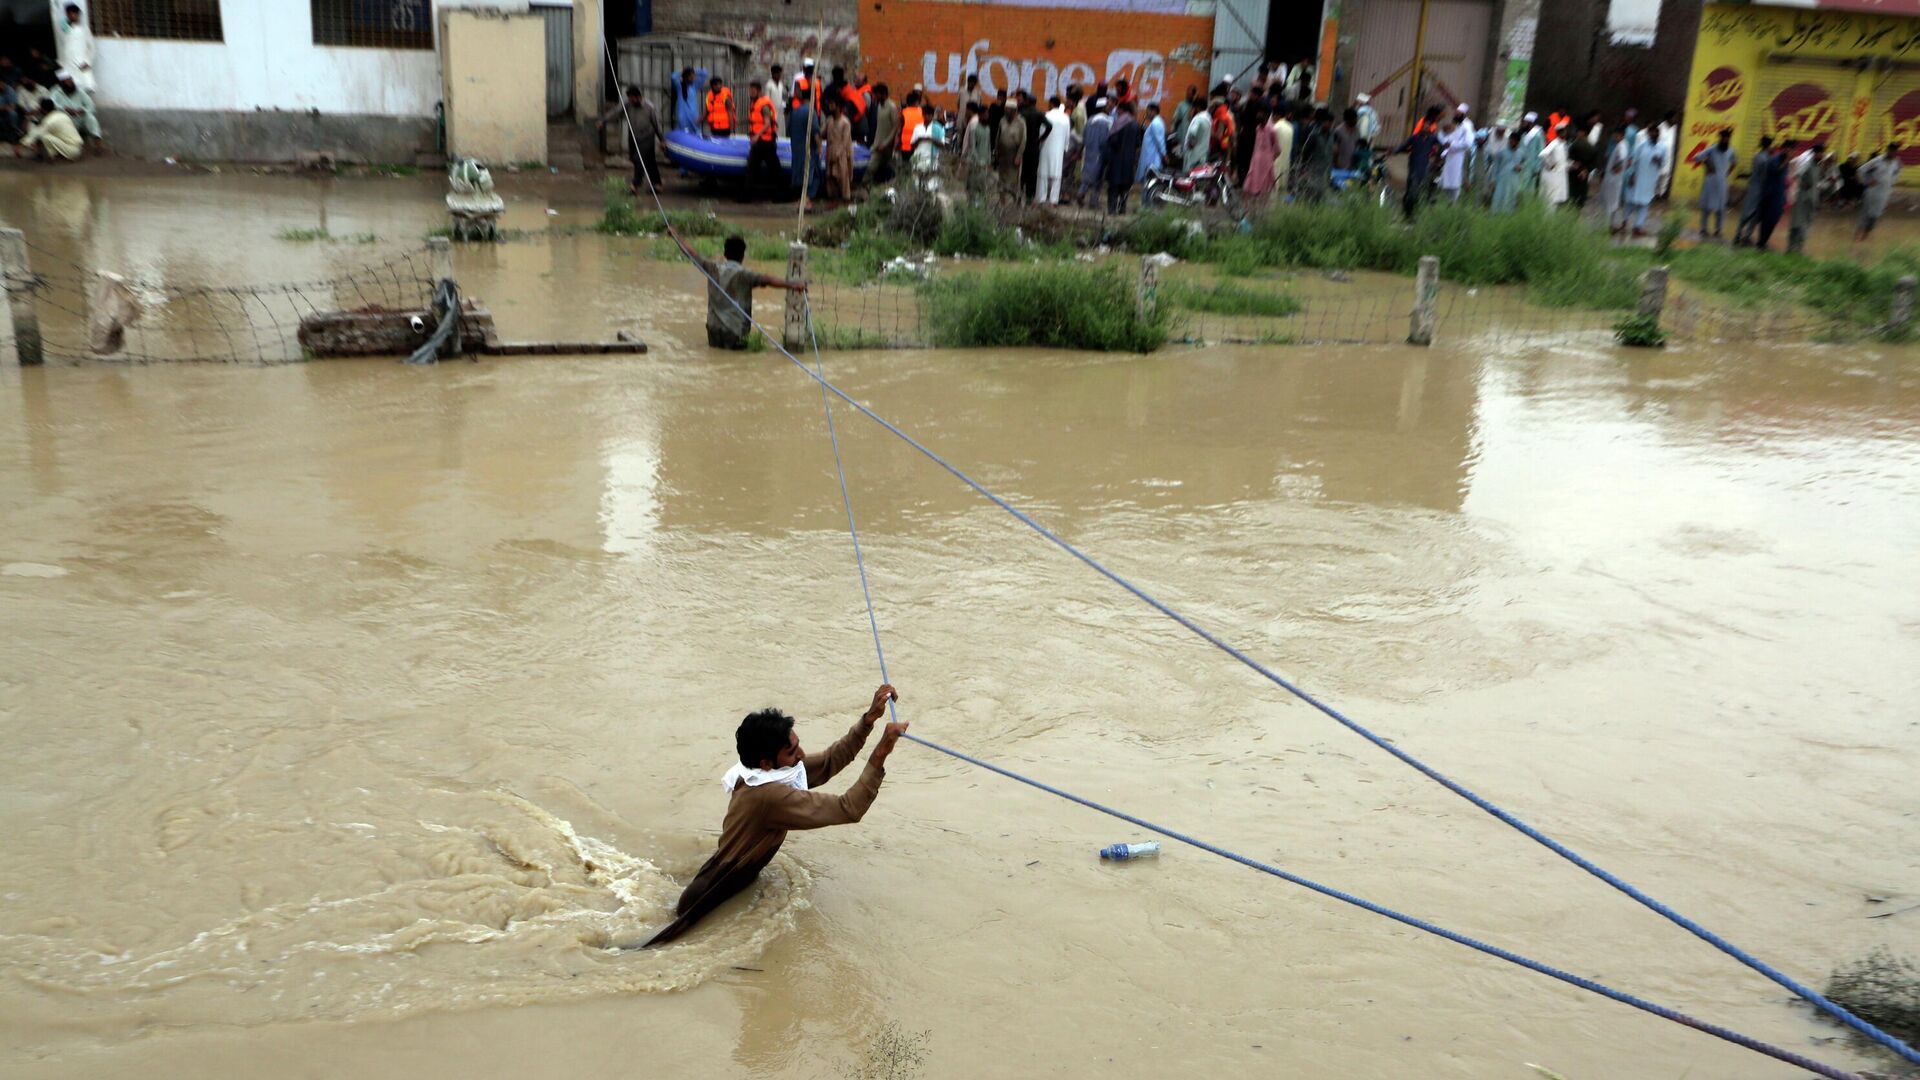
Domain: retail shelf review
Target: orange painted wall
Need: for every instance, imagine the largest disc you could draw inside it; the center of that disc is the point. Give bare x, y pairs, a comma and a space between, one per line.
903, 42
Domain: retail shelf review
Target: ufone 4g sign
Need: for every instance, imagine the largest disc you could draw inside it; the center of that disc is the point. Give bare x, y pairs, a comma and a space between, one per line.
1011, 46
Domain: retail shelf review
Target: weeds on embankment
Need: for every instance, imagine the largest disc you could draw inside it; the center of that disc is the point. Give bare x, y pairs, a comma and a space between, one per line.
1560, 260
1225, 298
1055, 306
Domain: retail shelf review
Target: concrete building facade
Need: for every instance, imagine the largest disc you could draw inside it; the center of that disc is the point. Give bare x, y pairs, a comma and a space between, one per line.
1474, 52
274, 80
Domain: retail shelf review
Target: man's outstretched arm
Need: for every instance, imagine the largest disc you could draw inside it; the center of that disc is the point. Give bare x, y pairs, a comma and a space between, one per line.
795, 809
822, 767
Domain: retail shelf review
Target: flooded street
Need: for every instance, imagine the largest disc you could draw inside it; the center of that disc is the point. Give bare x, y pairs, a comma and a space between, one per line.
356, 712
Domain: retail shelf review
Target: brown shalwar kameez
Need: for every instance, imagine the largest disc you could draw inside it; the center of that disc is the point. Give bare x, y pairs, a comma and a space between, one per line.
839, 169
758, 819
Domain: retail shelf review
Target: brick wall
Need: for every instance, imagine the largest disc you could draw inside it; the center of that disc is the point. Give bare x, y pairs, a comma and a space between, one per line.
779, 31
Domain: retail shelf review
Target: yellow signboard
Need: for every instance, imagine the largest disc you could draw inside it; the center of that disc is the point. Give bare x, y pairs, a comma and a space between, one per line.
1851, 81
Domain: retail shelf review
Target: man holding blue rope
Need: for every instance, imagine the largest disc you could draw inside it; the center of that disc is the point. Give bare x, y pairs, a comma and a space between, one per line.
772, 790
730, 288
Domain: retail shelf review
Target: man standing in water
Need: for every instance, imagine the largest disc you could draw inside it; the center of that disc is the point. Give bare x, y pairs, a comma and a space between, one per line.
730, 288
770, 791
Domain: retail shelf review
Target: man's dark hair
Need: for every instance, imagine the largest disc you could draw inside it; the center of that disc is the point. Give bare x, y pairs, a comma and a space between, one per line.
633, 91
75, 8
762, 735
1054, 101
777, 69
1766, 141
736, 249
880, 90
1433, 111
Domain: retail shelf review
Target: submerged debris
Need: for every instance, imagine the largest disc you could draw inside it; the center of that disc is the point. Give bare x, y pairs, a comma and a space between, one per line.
1882, 989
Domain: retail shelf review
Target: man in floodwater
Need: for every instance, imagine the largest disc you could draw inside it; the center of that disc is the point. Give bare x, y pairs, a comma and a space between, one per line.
730, 288
771, 791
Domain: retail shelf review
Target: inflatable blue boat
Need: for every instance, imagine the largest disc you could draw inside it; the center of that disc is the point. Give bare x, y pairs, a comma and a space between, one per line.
726, 159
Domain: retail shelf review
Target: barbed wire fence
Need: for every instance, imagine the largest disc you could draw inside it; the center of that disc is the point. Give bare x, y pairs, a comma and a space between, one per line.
257, 323
260, 323
1338, 308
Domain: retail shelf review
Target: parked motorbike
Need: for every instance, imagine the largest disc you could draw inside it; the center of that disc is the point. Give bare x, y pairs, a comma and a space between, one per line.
1202, 185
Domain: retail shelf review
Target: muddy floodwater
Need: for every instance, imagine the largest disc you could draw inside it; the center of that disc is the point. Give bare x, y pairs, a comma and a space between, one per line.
356, 713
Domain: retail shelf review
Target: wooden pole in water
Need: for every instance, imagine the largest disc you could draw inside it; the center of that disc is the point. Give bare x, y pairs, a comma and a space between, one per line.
795, 332
440, 249
19, 322
1653, 294
1426, 290
1902, 314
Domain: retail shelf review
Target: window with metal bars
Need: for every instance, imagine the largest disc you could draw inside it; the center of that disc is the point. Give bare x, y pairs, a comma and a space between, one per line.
178, 20
379, 24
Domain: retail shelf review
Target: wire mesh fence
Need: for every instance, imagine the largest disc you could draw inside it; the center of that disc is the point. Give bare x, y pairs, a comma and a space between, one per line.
161, 322
260, 323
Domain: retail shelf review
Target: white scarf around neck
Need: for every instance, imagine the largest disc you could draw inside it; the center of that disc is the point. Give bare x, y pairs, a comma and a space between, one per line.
794, 776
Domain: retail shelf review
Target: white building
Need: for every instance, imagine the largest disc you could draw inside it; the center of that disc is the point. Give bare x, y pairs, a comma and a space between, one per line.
363, 80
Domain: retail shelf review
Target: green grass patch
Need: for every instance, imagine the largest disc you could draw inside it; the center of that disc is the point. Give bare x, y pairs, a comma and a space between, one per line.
1175, 232
311, 236
971, 232
841, 336
1640, 332
1058, 306
1225, 298
620, 216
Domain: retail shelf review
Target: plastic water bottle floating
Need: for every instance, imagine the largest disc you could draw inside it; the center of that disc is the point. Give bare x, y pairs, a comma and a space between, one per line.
1123, 852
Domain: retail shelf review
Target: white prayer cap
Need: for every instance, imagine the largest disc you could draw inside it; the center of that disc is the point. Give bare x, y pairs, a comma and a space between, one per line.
62, 74
1100, 103
1531, 117
806, 61
1462, 107
1362, 98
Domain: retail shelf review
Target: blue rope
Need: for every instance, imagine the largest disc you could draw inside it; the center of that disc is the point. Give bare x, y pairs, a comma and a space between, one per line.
866, 592
827, 388
1833, 1009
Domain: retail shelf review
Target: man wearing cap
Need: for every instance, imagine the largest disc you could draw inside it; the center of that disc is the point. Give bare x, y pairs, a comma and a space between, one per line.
1367, 123
1532, 141
1464, 112
1093, 158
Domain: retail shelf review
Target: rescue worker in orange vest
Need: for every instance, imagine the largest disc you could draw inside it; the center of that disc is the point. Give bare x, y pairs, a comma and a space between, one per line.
719, 109
806, 86
1223, 132
912, 116
763, 158
860, 94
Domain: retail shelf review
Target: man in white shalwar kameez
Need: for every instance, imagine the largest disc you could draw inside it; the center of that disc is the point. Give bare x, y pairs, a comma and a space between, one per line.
1053, 154
1553, 171
1456, 145
73, 43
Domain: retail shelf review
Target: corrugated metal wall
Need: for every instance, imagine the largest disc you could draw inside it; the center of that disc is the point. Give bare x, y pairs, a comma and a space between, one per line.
559, 58
1239, 36
1454, 56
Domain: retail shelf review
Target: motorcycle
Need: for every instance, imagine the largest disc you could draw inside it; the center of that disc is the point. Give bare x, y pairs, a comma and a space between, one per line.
1203, 185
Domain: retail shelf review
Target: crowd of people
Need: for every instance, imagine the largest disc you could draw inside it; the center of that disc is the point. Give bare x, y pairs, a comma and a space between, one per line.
46, 106
1093, 146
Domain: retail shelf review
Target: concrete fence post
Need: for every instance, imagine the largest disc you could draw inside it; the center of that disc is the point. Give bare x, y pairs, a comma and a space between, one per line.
1653, 294
1426, 291
795, 332
19, 322
441, 251
1147, 300
1902, 315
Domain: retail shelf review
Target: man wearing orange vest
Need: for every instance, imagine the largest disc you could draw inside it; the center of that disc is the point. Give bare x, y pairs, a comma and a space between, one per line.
763, 126
806, 86
719, 109
911, 117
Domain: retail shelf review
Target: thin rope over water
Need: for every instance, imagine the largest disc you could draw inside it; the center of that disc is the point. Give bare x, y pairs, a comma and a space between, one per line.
829, 391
